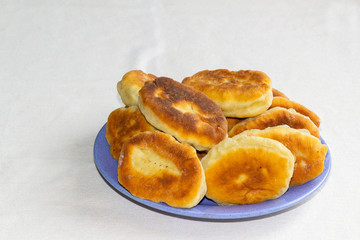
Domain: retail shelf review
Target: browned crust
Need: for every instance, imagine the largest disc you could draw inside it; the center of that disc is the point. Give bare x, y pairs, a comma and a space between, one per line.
287, 103
221, 177
165, 187
275, 117
304, 147
232, 122
248, 171
209, 123
277, 93
201, 154
122, 124
221, 84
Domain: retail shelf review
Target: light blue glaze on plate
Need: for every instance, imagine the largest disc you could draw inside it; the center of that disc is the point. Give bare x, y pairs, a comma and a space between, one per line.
207, 209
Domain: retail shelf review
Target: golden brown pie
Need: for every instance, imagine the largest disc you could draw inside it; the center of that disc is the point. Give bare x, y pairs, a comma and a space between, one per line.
244, 93
154, 166
122, 124
307, 149
275, 117
183, 112
247, 170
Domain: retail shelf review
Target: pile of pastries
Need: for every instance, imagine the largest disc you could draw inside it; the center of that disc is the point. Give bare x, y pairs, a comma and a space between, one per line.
225, 135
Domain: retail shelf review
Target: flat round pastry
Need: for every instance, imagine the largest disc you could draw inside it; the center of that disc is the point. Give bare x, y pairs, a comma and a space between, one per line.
244, 93
130, 84
277, 93
307, 149
183, 112
287, 103
247, 170
274, 117
154, 166
122, 124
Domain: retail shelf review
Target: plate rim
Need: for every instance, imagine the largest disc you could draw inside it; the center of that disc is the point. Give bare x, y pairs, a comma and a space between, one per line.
204, 212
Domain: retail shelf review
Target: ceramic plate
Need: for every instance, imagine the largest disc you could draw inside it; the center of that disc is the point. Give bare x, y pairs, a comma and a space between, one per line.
207, 209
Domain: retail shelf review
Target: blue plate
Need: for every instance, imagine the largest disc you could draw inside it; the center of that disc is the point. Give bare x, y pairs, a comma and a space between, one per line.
207, 209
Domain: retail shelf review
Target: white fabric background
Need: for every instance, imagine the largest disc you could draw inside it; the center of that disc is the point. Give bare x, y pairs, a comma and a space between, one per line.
59, 65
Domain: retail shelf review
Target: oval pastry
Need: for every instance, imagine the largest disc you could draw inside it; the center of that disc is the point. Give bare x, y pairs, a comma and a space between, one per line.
122, 124
129, 86
275, 117
247, 170
287, 103
239, 93
183, 112
154, 166
307, 149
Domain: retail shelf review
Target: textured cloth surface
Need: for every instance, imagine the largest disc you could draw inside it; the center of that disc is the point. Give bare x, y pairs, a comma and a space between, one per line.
59, 65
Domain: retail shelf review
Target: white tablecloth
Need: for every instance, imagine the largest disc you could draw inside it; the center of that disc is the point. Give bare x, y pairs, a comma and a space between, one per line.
59, 65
